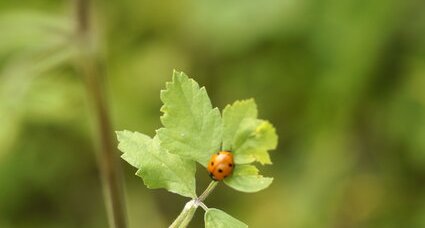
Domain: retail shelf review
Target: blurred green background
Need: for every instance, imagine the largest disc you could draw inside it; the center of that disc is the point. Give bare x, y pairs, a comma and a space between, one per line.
342, 81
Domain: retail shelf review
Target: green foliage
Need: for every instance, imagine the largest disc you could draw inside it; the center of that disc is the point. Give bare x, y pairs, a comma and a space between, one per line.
253, 140
215, 218
245, 178
350, 107
192, 132
249, 138
157, 167
233, 115
192, 128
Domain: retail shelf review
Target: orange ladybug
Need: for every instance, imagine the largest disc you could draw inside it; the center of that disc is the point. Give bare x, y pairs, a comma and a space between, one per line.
221, 165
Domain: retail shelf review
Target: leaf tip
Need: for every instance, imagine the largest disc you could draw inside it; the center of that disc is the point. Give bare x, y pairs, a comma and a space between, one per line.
120, 134
179, 76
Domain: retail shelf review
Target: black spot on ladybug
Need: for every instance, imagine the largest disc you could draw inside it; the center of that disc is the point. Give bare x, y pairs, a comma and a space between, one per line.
220, 170
212, 163
230, 164
218, 153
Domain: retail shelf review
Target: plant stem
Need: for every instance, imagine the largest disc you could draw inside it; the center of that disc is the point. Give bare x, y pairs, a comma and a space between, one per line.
185, 216
107, 155
207, 191
189, 209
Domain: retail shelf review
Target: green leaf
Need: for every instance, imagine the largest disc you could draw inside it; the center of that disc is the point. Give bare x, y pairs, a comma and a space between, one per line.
233, 115
215, 218
192, 128
157, 167
253, 140
245, 178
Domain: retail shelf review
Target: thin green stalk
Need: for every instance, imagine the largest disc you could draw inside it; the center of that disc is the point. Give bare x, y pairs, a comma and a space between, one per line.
108, 160
185, 216
189, 209
207, 191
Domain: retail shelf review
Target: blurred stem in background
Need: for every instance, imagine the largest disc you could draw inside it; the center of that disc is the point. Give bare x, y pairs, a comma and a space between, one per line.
92, 72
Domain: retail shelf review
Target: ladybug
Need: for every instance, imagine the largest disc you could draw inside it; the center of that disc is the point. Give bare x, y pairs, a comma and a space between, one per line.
221, 165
